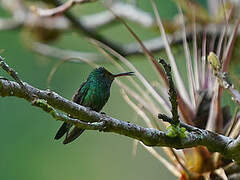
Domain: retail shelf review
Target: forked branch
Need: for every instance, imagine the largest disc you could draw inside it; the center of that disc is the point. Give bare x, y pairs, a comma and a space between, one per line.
49, 101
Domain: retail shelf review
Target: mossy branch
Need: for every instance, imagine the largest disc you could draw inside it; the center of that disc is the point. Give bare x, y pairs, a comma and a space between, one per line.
41, 103
174, 130
172, 92
49, 101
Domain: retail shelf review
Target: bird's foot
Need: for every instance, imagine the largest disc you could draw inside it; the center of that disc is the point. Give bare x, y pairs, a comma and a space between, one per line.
103, 113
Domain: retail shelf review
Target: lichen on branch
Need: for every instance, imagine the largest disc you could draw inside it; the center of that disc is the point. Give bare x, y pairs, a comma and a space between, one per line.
50, 102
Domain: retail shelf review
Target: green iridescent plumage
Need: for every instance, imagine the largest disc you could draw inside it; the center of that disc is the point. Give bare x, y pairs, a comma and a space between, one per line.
93, 93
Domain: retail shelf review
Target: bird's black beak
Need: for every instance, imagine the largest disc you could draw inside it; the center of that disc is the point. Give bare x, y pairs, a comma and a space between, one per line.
124, 74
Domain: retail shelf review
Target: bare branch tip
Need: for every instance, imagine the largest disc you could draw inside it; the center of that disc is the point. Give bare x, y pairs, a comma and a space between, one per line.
164, 117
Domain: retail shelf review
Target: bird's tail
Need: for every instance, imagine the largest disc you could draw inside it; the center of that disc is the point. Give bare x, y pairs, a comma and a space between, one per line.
76, 132
62, 130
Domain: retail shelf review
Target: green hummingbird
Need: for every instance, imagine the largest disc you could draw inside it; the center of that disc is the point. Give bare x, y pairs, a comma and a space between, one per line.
93, 93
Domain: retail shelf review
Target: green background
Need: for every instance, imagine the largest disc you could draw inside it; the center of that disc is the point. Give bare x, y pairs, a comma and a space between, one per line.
28, 150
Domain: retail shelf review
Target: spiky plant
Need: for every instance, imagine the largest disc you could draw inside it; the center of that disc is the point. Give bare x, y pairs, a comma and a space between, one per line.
199, 101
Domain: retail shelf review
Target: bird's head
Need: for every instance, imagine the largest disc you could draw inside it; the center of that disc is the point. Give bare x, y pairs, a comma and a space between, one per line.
102, 74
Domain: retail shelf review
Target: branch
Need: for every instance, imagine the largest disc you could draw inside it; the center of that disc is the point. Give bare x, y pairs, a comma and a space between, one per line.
23, 16
172, 93
153, 45
124, 10
92, 21
60, 9
49, 101
63, 117
149, 136
77, 23
14, 75
97, 20
156, 44
9, 24
87, 24
50, 51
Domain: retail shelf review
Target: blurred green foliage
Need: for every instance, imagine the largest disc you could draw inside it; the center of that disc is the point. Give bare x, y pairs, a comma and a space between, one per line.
28, 150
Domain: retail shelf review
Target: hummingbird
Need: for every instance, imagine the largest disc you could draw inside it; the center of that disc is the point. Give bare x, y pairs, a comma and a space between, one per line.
94, 94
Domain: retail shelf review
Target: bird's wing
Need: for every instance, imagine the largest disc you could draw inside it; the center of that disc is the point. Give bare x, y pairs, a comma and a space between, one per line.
80, 93
77, 98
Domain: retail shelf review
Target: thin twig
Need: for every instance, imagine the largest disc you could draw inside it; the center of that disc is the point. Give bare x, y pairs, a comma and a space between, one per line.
63, 117
60, 9
77, 23
172, 93
14, 75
